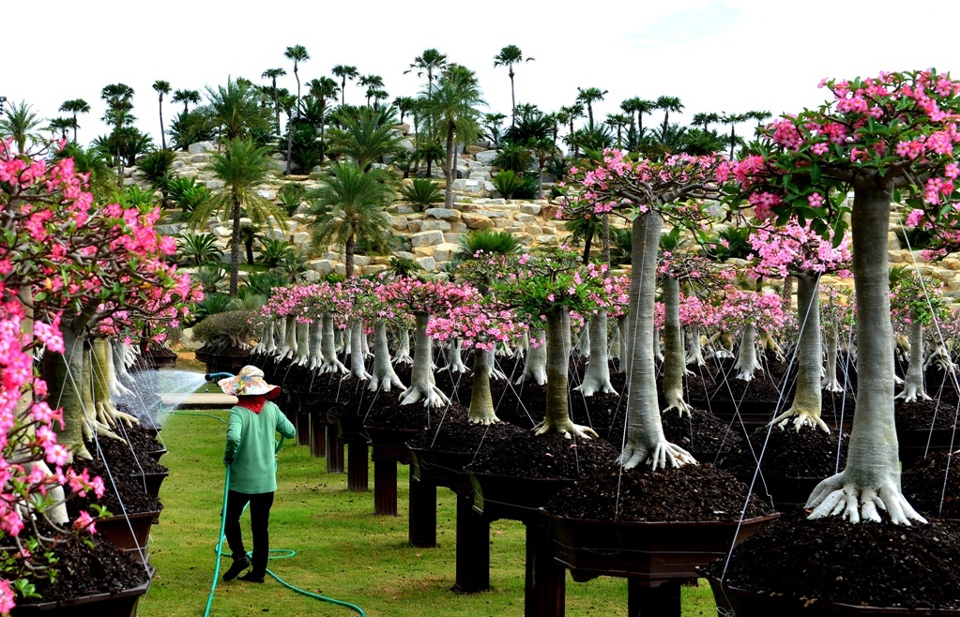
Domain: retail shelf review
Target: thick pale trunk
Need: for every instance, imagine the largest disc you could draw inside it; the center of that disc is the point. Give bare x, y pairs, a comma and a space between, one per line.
357, 369
747, 363
673, 356
290, 339
535, 364
403, 353
455, 364
583, 345
616, 340
384, 377
807, 401
281, 334
913, 388
303, 343
315, 344
694, 349
101, 374
871, 479
422, 380
64, 377
645, 439
267, 344
481, 399
829, 381
597, 376
557, 413
329, 363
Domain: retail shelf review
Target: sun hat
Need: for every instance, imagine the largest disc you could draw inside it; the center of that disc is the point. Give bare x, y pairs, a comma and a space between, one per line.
249, 382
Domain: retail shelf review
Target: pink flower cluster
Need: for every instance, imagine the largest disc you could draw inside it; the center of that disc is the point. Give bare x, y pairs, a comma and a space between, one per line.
793, 249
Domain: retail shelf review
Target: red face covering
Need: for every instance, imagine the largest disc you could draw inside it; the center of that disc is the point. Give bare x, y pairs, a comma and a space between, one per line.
255, 402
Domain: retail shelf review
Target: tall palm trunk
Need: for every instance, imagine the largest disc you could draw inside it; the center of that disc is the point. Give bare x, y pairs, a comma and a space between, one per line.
450, 171
235, 248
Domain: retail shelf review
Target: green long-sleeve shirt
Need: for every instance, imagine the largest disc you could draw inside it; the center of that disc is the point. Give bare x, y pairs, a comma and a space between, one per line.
251, 445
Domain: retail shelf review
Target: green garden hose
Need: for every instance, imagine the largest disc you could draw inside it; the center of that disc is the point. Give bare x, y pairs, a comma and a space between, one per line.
284, 553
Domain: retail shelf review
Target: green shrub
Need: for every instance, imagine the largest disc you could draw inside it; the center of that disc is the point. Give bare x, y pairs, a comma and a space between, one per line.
227, 329
514, 157
529, 188
290, 195
210, 276
188, 194
211, 304
156, 167
273, 251
196, 249
496, 242
507, 183
422, 193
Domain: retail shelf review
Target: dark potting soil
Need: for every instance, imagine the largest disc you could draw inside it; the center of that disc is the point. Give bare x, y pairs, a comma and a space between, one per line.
687, 493
808, 453
87, 571
926, 414
701, 433
514, 451
832, 560
121, 472
933, 486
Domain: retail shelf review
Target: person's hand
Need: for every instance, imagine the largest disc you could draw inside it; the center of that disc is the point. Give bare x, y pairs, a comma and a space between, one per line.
227, 462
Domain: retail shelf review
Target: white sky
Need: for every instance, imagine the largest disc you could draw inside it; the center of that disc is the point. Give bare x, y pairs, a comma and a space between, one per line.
723, 55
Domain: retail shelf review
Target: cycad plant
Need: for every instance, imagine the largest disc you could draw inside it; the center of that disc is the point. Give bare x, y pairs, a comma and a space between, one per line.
507, 183
487, 241
273, 251
290, 195
188, 194
422, 193
197, 249
349, 207
365, 135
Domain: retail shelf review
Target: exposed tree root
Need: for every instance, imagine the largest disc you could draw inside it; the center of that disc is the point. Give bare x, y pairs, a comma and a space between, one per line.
664, 454
836, 496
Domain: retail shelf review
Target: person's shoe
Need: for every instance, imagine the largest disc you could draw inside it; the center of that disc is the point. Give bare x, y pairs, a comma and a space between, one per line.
250, 577
238, 566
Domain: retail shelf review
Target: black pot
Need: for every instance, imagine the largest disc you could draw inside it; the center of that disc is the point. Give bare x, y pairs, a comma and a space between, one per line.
122, 603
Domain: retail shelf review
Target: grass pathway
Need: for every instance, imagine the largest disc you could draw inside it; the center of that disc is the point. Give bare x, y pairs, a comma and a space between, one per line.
343, 550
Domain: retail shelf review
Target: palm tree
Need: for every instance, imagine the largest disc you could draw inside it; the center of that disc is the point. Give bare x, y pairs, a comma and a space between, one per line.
272, 75
452, 108
242, 167
430, 62
667, 104
162, 87
588, 97
350, 207
75, 106
236, 110
507, 57
372, 83
345, 72
21, 124
323, 89
704, 120
404, 105
297, 53
618, 122
60, 125
365, 135
186, 97
119, 99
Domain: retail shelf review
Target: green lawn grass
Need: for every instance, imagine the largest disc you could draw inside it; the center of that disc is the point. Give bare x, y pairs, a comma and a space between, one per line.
343, 550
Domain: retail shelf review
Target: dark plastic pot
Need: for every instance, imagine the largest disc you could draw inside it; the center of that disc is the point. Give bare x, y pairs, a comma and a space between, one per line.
224, 359
651, 552
127, 532
156, 454
120, 604
513, 498
152, 481
745, 603
916, 444
442, 468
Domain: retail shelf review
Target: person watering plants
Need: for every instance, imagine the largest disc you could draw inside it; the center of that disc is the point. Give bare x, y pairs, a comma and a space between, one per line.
251, 455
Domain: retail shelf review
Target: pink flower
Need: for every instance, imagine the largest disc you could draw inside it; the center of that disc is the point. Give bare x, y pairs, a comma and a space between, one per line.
85, 522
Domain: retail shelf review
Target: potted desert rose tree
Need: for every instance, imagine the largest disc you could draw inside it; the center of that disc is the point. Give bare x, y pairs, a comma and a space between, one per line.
890, 138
